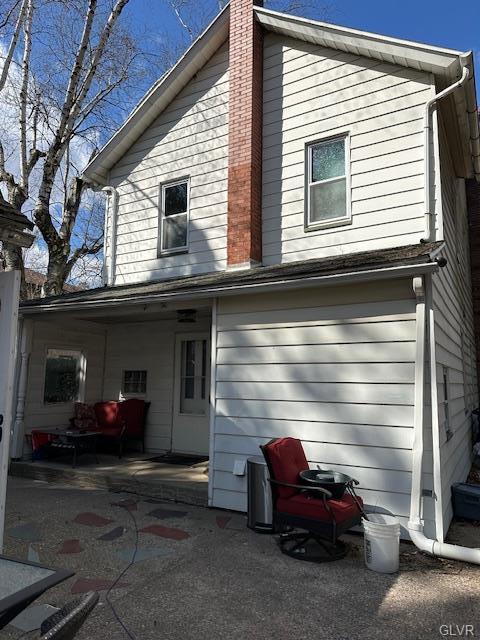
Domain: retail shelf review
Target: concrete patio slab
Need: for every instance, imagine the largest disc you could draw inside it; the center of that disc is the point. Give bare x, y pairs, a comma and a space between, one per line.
32, 618
233, 583
132, 554
134, 474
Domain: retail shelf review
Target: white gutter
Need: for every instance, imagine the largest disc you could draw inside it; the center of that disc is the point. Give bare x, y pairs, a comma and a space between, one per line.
415, 524
112, 205
404, 271
426, 145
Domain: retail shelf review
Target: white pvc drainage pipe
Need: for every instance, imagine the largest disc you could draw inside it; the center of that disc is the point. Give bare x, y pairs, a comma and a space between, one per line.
426, 147
111, 205
415, 524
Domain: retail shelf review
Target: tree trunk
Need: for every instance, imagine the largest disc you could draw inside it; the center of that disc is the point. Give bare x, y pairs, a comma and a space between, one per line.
57, 271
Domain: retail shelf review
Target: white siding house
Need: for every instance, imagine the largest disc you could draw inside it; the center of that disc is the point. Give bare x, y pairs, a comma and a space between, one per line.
188, 139
361, 223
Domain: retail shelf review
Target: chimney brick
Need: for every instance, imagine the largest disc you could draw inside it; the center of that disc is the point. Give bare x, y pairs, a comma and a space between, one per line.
244, 242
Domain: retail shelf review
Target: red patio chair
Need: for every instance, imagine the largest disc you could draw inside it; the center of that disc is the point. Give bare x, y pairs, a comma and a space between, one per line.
311, 508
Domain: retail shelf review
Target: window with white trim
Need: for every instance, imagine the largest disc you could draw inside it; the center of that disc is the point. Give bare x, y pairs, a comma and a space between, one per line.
174, 216
327, 197
64, 376
134, 382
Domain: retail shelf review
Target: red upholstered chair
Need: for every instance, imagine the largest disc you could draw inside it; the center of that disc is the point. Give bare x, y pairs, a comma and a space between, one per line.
311, 508
133, 414
110, 423
122, 421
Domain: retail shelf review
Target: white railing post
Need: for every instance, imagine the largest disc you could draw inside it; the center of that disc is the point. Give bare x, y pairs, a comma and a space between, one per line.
24, 357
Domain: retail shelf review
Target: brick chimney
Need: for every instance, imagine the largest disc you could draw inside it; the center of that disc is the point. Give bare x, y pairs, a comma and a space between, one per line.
473, 208
244, 245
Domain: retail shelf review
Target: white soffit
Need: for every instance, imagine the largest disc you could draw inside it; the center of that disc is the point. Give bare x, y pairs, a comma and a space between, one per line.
362, 43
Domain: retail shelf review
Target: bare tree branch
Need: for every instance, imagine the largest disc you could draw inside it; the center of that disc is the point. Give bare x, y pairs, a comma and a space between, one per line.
13, 44
27, 50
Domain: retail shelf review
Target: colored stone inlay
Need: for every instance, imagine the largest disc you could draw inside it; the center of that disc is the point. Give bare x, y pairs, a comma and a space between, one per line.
222, 521
165, 532
84, 585
114, 534
70, 547
91, 519
27, 532
33, 555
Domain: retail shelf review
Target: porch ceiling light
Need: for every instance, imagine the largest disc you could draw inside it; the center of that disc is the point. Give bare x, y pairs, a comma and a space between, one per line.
187, 315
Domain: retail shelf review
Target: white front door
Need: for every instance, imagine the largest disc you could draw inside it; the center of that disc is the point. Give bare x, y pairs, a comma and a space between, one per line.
9, 292
191, 428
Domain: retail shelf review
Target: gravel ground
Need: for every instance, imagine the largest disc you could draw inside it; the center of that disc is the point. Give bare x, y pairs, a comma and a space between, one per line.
213, 578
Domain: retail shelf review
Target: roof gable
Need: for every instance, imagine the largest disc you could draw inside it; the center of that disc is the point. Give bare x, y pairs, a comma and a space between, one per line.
445, 64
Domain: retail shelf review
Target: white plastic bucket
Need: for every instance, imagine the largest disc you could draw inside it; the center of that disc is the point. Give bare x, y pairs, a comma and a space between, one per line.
381, 542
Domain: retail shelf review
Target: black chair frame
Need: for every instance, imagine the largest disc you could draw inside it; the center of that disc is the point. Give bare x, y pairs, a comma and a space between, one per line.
326, 534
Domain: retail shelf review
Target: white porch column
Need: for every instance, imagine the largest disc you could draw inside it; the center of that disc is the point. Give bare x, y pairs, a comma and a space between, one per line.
24, 357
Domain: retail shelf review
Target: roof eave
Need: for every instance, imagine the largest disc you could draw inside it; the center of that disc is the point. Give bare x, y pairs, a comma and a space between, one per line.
157, 98
403, 52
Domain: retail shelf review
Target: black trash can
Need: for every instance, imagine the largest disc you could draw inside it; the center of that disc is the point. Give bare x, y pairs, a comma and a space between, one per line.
259, 516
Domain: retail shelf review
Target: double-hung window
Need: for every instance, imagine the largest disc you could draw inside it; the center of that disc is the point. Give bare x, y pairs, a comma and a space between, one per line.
328, 183
64, 376
174, 204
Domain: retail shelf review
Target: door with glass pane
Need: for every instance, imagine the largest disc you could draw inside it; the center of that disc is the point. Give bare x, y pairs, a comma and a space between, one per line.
190, 432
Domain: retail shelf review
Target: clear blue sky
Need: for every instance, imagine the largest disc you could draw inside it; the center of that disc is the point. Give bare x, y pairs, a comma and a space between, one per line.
440, 22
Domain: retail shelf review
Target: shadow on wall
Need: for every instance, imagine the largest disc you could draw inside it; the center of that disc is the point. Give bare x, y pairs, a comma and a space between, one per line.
343, 385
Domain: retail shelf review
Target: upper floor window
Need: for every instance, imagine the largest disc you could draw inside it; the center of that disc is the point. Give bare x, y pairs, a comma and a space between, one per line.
327, 197
174, 205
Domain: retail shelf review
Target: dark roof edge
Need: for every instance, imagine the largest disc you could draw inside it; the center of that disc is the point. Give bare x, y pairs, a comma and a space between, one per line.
295, 275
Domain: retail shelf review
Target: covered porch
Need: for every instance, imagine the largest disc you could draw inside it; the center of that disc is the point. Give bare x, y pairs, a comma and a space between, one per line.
158, 352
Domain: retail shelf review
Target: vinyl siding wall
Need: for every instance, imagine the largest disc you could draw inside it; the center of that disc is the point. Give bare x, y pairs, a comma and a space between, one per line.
454, 333
310, 93
188, 139
334, 367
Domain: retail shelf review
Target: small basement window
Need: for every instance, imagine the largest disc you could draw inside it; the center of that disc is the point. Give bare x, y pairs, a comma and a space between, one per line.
134, 382
327, 186
174, 215
64, 376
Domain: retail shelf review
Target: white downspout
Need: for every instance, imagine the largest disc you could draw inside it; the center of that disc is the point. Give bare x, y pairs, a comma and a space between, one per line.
112, 204
426, 148
415, 524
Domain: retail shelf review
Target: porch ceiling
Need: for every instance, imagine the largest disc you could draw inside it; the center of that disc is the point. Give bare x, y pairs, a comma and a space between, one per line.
363, 265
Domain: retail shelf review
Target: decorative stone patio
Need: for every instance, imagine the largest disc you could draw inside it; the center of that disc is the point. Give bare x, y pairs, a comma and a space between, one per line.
214, 578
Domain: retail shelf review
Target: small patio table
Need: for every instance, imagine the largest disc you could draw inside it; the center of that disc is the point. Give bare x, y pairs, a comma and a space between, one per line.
21, 582
77, 441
